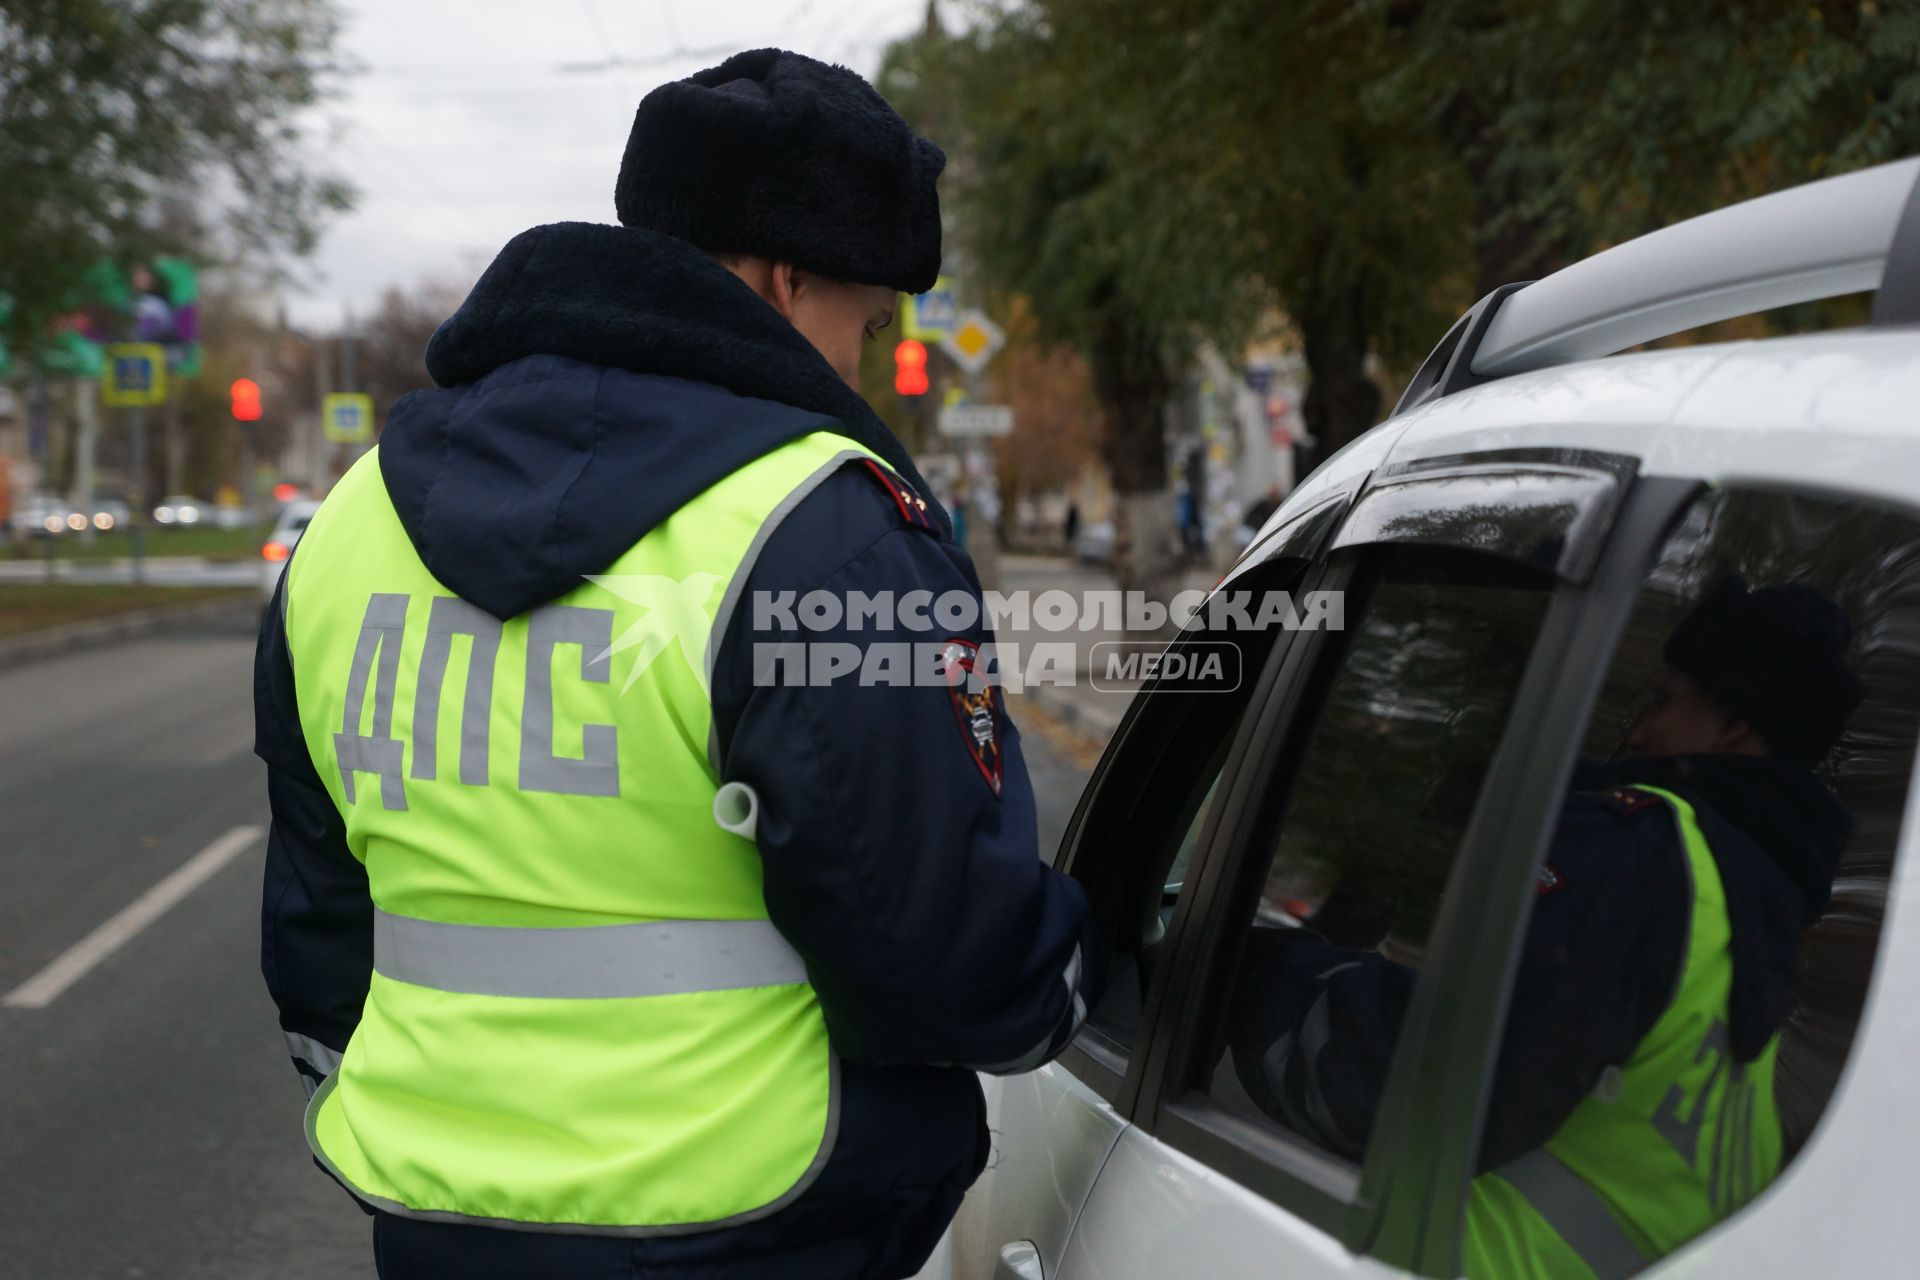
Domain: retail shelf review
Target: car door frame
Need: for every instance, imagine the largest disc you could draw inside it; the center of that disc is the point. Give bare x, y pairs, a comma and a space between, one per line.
1404, 1204
1303, 538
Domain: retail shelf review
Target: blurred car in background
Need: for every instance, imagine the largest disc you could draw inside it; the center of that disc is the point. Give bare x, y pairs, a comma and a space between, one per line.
41, 515
294, 518
179, 511
230, 517
1094, 543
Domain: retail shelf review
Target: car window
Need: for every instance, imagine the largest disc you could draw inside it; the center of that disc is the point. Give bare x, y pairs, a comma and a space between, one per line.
1364, 839
1704, 924
1147, 806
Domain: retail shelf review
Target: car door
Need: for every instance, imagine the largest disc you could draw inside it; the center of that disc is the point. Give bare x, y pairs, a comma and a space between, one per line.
1144, 808
1369, 794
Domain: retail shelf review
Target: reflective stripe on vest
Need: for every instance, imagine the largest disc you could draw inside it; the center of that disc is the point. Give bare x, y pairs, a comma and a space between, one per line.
580, 1018
1576, 1213
1667, 1145
592, 962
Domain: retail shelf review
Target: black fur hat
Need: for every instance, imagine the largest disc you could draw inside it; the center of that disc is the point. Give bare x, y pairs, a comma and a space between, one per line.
1776, 657
775, 154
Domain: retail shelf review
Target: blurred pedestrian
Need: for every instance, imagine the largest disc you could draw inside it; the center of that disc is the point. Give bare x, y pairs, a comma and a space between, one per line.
1258, 512
1261, 509
1193, 505
608, 952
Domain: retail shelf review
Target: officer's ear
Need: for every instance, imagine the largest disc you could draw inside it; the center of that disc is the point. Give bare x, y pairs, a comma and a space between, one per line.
1738, 738
784, 284
773, 281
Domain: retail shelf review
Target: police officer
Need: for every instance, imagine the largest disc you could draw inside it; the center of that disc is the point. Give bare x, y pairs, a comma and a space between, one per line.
1632, 1105
612, 934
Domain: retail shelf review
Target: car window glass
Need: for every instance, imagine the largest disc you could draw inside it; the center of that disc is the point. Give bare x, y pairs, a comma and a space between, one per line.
1372, 820
1153, 793
1704, 923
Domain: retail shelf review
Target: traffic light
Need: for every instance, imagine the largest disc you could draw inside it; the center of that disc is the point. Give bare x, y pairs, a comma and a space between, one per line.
910, 368
246, 400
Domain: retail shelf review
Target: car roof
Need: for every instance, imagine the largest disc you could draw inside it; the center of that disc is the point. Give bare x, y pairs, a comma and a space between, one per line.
1829, 410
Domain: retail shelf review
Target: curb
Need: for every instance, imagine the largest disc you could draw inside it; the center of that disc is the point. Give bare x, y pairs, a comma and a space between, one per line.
99, 633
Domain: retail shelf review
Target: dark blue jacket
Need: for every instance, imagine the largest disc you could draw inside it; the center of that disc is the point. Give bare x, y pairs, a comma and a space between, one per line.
1602, 952
596, 380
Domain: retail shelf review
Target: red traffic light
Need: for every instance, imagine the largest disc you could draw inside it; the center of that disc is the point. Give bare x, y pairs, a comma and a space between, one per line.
284, 492
910, 368
246, 400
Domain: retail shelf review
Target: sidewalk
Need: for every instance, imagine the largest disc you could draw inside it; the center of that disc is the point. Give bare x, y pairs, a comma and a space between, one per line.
158, 571
1091, 711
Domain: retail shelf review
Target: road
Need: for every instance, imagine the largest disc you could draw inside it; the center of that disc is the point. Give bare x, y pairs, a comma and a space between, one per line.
149, 1120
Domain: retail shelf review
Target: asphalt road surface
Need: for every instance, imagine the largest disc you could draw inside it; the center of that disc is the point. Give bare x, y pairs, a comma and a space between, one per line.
149, 1119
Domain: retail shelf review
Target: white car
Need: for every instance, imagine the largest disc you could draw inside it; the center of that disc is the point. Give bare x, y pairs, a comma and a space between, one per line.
1514, 545
1093, 544
274, 553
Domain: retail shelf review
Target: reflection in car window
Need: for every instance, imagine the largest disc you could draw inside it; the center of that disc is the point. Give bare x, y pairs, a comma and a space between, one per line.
1143, 922
1705, 921
1151, 801
1372, 824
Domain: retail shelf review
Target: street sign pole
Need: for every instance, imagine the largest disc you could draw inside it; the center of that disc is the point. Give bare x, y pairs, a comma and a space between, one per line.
137, 491
983, 489
173, 449
135, 377
84, 447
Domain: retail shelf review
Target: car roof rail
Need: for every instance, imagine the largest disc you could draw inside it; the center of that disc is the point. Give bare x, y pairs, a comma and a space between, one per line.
1855, 233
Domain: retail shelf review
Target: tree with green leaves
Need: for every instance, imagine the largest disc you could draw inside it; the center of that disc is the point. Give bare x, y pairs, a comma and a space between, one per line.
1055, 206
114, 113
1578, 125
1155, 173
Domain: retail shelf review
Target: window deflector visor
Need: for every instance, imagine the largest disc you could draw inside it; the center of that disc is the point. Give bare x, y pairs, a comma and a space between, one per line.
1300, 537
1551, 516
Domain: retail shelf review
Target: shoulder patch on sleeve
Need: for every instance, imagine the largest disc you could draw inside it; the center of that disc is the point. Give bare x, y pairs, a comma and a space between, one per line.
1549, 881
977, 709
911, 506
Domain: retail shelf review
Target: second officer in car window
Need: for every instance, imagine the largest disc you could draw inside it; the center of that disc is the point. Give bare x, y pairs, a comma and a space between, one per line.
1633, 1102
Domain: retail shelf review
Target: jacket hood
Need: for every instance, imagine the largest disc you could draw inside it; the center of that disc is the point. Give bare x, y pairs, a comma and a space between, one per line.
1777, 834
595, 380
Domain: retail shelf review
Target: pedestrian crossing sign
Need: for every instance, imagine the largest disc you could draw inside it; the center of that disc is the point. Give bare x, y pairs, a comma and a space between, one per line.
348, 416
134, 375
930, 316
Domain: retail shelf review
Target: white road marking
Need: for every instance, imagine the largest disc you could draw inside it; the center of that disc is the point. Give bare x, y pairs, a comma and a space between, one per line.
44, 987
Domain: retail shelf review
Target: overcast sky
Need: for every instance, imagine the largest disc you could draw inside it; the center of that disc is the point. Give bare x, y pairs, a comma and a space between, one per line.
473, 120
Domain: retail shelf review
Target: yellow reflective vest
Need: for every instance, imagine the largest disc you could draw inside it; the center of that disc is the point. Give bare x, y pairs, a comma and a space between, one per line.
580, 1016
1670, 1143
